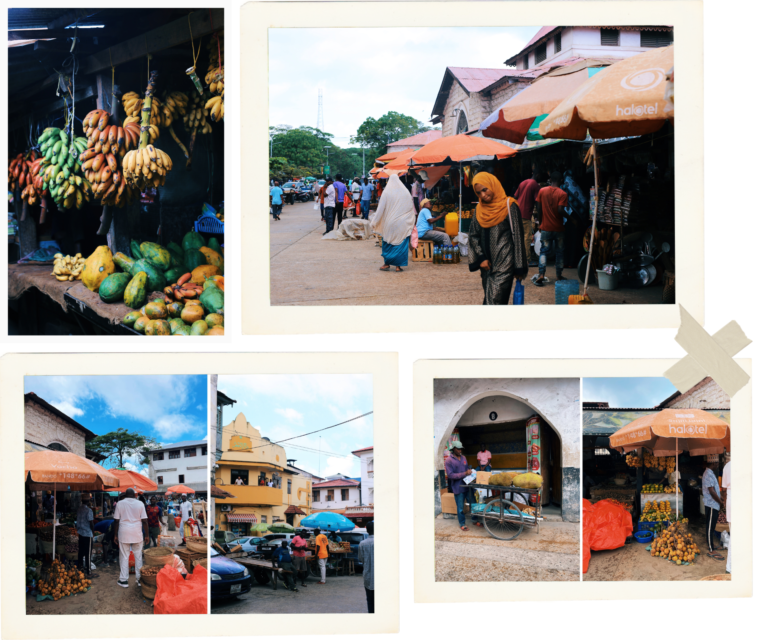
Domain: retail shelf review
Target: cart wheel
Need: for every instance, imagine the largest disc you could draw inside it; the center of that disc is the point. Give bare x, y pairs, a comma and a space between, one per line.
314, 570
499, 523
262, 577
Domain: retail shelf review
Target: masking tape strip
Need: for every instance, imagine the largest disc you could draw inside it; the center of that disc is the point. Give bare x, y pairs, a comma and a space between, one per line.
709, 356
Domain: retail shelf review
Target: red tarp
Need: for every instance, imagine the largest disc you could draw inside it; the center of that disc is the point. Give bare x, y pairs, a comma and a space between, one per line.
178, 595
606, 525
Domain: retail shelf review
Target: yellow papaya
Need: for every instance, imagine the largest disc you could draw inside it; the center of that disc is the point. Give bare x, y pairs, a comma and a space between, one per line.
213, 258
97, 268
200, 274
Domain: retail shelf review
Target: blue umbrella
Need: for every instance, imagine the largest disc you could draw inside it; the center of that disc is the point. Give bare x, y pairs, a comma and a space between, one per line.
328, 521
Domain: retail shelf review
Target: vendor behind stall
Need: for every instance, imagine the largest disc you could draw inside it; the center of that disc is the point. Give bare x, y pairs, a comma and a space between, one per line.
85, 529
425, 225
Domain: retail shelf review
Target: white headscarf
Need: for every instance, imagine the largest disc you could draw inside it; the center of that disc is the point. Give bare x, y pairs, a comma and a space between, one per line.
395, 215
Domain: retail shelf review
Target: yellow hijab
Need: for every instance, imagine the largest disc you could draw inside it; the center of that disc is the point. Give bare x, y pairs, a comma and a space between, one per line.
496, 211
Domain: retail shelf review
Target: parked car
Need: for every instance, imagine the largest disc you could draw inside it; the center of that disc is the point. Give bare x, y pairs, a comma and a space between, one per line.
354, 537
225, 537
250, 545
229, 579
274, 540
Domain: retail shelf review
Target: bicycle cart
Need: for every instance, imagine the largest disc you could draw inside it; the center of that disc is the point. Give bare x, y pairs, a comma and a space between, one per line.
502, 518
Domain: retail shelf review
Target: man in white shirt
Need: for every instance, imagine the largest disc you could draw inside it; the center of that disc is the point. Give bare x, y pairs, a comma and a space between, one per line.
239, 481
726, 482
329, 205
131, 524
186, 510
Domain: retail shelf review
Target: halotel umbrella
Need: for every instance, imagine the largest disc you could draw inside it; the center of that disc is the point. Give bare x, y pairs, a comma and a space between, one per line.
625, 99
459, 148
514, 119
45, 468
672, 431
328, 521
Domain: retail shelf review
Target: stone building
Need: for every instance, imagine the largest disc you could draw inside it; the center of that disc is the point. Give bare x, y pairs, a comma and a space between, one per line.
49, 428
495, 412
705, 395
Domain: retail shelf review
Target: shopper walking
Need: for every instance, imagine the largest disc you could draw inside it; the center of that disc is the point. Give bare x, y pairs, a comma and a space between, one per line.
394, 221
85, 529
154, 520
340, 194
329, 205
186, 512
526, 199
366, 198
275, 194
367, 558
456, 470
713, 502
322, 555
298, 552
551, 202
131, 523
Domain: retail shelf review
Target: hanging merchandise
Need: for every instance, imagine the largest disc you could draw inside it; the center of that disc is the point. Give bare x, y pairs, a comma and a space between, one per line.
61, 170
195, 117
133, 106
23, 172
215, 78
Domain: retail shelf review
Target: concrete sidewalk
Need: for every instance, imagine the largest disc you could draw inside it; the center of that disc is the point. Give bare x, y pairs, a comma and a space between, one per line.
553, 554
307, 270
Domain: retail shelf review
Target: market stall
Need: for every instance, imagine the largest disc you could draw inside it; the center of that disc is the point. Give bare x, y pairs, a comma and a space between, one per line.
116, 173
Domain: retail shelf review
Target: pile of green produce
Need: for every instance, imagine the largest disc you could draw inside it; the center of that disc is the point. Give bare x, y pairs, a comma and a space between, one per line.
61, 169
190, 277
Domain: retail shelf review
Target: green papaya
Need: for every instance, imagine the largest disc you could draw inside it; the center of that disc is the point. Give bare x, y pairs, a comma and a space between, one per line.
134, 249
157, 328
112, 288
157, 255
131, 318
175, 248
175, 309
199, 328
193, 259
212, 299
176, 323
214, 320
172, 275
193, 240
156, 278
184, 330
124, 262
136, 292
141, 323
213, 244
156, 310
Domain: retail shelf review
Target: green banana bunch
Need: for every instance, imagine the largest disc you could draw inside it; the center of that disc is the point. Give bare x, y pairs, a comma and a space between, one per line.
61, 169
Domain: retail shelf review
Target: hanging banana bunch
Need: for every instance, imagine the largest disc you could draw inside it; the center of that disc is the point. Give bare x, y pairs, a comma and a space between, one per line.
174, 107
61, 170
132, 104
146, 166
215, 78
195, 118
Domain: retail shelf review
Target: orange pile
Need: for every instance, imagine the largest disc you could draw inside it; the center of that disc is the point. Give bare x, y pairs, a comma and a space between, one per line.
61, 581
674, 545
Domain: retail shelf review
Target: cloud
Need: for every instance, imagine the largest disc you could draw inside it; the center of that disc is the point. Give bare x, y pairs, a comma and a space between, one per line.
338, 389
170, 427
68, 408
348, 466
291, 415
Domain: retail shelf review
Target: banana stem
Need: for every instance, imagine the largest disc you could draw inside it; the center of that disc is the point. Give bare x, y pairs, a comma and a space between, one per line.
193, 136
146, 108
177, 140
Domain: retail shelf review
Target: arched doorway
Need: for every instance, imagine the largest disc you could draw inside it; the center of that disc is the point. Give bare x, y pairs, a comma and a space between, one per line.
498, 419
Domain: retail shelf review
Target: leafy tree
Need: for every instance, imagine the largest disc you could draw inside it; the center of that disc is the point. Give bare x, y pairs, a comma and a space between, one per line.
375, 135
121, 444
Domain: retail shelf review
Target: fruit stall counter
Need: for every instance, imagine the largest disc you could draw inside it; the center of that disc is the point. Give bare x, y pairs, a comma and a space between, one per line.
661, 498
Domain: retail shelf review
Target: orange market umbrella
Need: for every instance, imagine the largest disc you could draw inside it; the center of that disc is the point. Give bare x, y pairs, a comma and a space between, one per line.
43, 468
133, 480
460, 148
625, 99
391, 155
180, 488
513, 119
672, 431
400, 163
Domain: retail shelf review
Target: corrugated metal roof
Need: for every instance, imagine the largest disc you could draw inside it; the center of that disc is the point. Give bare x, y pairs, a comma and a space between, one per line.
473, 79
335, 483
184, 443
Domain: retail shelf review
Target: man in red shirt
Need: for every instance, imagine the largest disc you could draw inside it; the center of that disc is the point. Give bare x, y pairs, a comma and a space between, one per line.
551, 202
526, 197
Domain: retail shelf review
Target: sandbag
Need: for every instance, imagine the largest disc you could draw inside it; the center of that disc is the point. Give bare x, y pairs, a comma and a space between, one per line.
607, 526
177, 595
528, 481
350, 229
500, 479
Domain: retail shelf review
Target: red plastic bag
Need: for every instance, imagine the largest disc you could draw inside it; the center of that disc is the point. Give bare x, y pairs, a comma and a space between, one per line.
177, 595
606, 525
177, 520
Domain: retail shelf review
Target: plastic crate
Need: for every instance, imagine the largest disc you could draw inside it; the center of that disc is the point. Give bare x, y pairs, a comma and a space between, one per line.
208, 223
650, 526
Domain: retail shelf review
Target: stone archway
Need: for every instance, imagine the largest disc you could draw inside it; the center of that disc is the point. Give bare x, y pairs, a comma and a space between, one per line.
57, 446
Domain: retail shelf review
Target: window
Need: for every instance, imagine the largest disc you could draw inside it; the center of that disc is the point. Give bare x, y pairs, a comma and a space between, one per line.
173, 455
540, 53
558, 42
610, 37
290, 482
276, 519
191, 453
204, 451
461, 122
181, 478
315, 495
330, 495
372, 495
160, 479
158, 456
57, 447
526, 62
656, 38
370, 467
344, 494
239, 473
264, 519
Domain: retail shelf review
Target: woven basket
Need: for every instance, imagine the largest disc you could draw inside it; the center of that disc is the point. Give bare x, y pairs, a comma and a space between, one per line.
148, 591
203, 563
722, 576
195, 546
157, 556
669, 287
149, 580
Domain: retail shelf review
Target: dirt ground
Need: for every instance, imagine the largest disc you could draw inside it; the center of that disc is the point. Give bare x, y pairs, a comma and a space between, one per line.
340, 594
306, 270
634, 563
105, 597
551, 555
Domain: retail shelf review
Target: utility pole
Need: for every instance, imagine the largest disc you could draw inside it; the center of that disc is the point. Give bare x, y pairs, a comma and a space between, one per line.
328, 157
320, 114
363, 173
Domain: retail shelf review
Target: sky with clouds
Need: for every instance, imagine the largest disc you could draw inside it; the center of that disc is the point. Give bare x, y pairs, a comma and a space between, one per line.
368, 72
168, 408
627, 393
283, 406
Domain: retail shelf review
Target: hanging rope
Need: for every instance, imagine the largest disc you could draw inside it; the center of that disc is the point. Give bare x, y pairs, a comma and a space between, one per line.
192, 44
148, 56
113, 74
216, 35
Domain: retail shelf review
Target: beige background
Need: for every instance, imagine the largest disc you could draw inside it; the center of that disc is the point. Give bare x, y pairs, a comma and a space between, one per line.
426, 589
384, 369
261, 318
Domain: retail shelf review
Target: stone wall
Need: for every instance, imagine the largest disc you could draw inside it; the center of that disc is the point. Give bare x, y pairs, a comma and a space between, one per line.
43, 427
502, 94
477, 106
556, 400
705, 395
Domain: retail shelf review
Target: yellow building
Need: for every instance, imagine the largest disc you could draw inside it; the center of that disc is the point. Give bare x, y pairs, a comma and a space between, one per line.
255, 471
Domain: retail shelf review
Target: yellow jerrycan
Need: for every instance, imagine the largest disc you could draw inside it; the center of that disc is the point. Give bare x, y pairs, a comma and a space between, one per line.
452, 223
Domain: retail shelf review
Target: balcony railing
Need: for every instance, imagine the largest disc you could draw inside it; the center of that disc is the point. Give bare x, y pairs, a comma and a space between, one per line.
253, 495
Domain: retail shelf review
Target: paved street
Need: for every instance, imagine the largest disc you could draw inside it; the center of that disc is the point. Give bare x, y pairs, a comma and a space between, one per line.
341, 594
306, 270
552, 555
